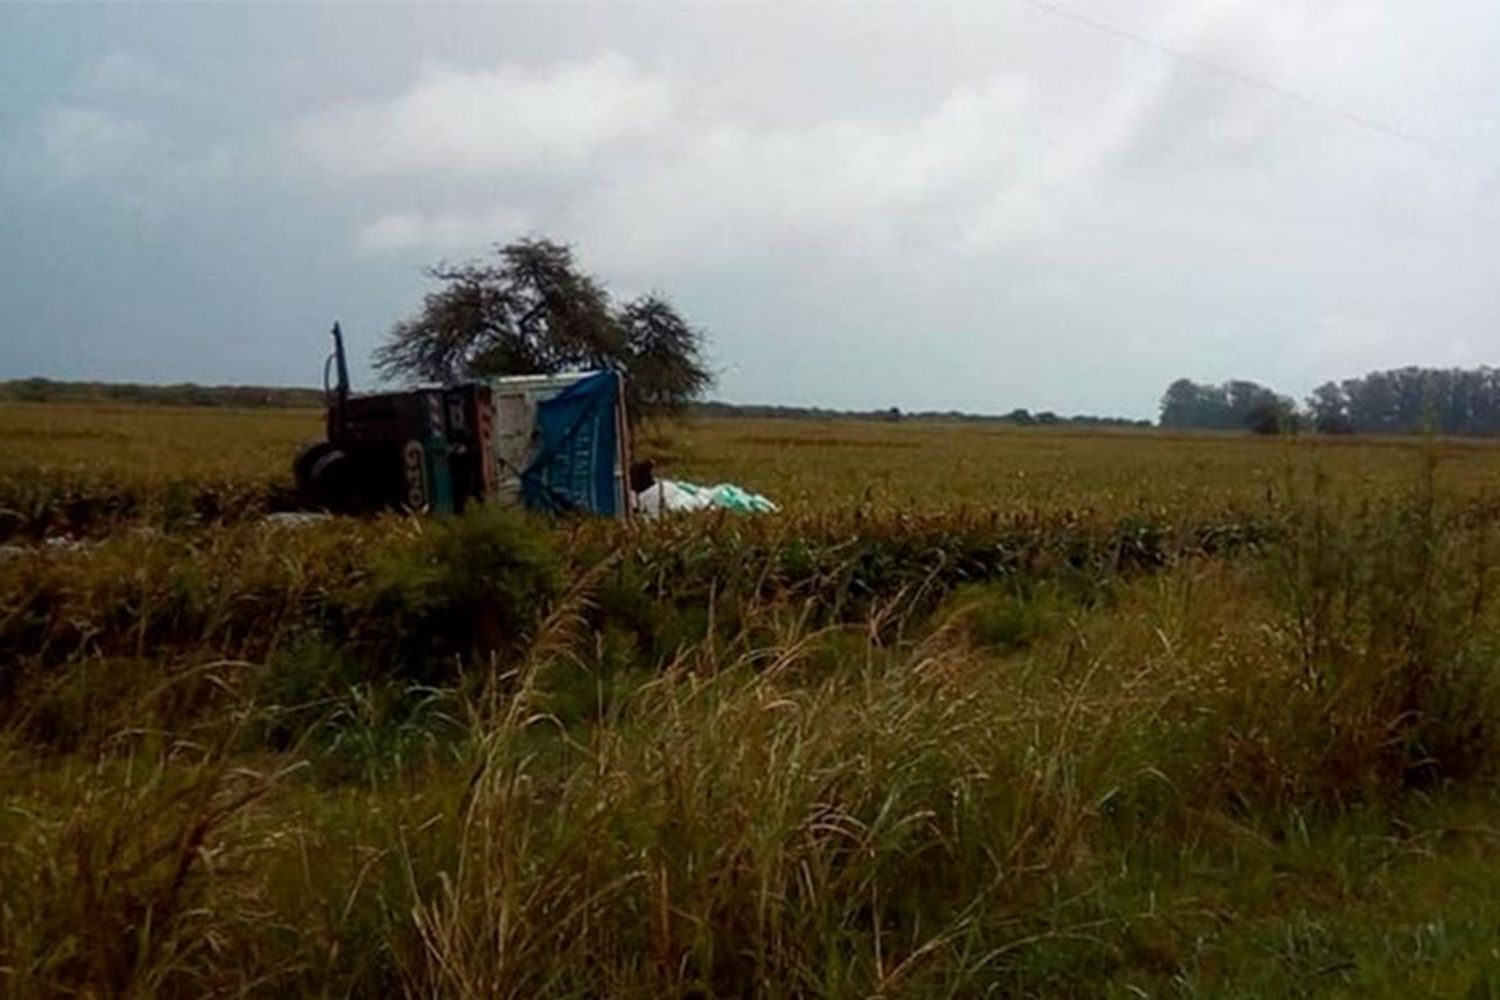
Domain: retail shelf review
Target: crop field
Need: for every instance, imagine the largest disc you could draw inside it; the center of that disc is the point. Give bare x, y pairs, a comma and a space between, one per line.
982, 711
84, 469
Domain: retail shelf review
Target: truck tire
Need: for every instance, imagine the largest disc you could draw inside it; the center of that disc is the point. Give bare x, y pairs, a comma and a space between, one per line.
302, 466
326, 478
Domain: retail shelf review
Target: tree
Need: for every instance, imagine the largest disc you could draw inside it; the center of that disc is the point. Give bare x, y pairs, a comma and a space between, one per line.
662, 357
531, 311
1188, 404
1395, 401
1272, 416
1235, 405
1407, 400
1328, 406
1179, 403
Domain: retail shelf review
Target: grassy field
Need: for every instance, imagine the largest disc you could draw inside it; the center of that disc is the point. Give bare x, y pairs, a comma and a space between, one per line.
83, 469
982, 712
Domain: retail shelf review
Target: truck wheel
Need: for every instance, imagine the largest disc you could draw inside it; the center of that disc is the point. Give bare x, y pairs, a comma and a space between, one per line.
302, 466
325, 478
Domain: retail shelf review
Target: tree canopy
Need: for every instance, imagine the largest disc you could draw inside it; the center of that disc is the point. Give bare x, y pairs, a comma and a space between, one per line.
529, 311
1403, 400
1234, 405
1396, 401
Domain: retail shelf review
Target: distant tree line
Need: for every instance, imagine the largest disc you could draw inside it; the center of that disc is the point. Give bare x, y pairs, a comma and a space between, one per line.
1016, 418
1396, 401
41, 390
1403, 400
44, 390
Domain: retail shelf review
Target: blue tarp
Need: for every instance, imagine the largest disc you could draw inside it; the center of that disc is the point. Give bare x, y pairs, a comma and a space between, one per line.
578, 446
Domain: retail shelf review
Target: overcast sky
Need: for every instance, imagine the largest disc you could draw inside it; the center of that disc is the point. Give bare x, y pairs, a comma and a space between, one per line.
1057, 204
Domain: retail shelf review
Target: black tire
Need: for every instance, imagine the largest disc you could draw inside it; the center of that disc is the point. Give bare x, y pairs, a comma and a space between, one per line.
326, 478
302, 465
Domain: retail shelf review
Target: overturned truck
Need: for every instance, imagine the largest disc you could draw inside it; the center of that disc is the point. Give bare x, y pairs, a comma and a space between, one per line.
552, 443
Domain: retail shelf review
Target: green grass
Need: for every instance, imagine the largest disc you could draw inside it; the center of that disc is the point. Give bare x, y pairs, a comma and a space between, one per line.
1164, 716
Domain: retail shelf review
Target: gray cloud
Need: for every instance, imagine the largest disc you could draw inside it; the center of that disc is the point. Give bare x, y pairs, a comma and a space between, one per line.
82, 142
460, 123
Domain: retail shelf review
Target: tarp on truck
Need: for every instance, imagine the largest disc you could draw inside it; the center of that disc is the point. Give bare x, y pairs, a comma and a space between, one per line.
576, 453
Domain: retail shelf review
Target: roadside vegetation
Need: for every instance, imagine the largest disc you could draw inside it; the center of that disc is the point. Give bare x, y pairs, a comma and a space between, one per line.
1019, 712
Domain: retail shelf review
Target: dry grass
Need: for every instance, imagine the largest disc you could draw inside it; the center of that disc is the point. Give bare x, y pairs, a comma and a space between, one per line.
1123, 725
69, 468
818, 465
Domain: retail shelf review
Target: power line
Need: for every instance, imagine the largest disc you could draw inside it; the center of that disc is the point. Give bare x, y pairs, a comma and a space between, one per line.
1434, 146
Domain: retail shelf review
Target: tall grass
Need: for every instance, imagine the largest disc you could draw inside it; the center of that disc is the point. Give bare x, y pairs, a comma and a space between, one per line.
1066, 769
